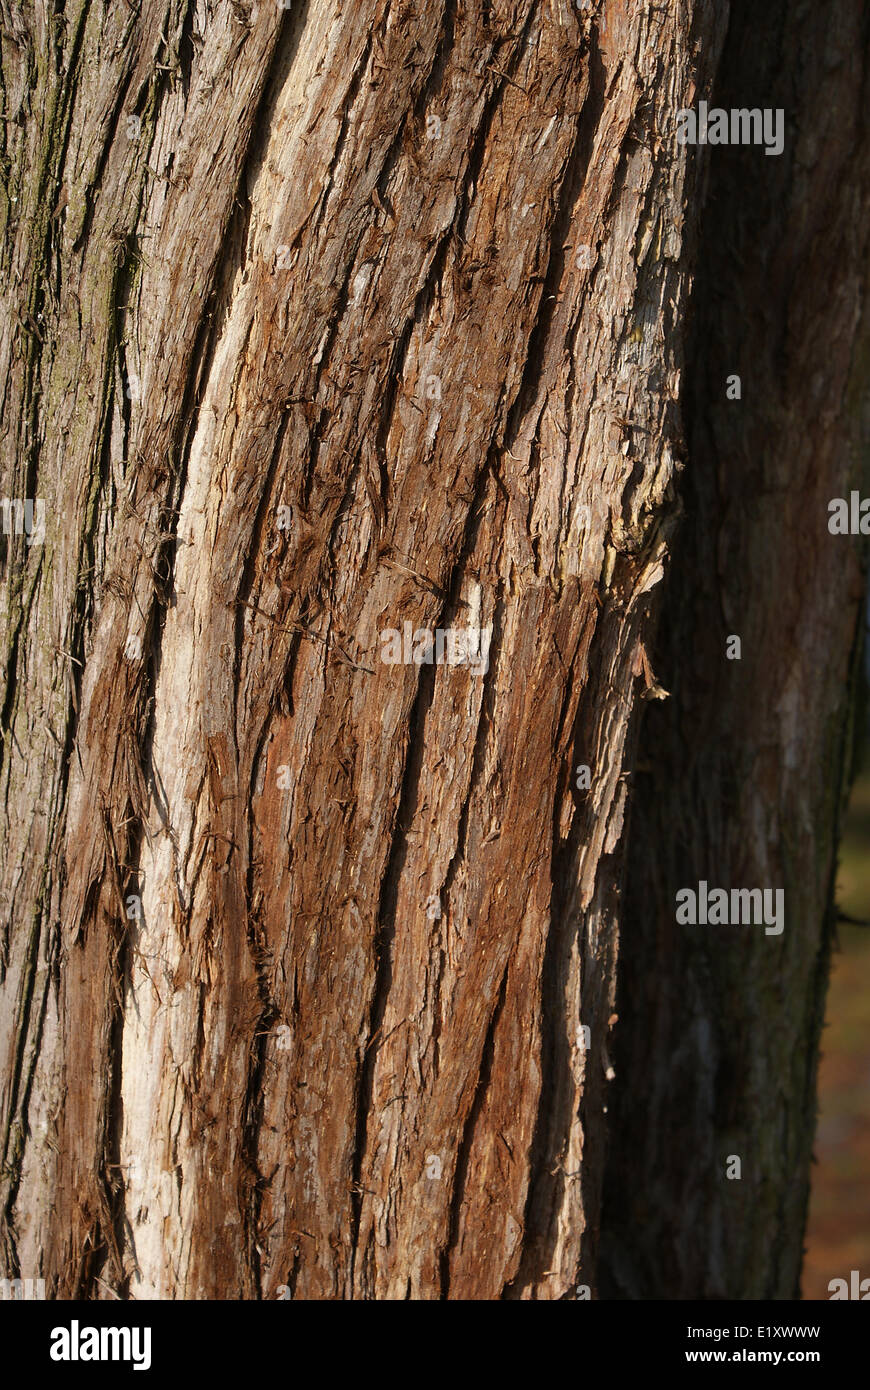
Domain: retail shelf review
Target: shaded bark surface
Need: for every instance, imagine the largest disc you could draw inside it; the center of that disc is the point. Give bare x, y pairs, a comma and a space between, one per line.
743, 771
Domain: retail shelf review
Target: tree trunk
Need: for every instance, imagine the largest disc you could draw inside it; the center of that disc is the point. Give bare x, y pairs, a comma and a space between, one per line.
744, 769
320, 323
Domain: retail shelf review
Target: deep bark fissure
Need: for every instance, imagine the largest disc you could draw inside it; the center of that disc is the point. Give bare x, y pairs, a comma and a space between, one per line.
382, 942
460, 1177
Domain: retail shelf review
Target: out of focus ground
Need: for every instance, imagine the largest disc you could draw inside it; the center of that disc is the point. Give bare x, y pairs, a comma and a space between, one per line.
838, 1237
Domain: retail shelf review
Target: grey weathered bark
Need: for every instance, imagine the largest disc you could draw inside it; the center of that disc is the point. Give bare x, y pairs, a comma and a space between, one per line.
319, 322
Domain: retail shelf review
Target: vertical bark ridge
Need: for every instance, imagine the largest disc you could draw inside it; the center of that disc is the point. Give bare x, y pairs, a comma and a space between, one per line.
84, 224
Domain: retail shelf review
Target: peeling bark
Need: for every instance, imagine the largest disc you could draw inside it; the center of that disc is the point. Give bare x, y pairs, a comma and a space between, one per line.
320, 322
